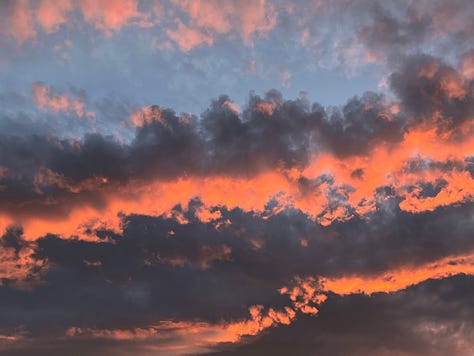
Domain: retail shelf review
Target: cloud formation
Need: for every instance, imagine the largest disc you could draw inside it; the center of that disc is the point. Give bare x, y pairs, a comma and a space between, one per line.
275, 225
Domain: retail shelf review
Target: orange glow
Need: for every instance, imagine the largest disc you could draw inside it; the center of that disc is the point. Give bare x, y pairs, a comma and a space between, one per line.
231, 106
147, 115
304, 295
384, 166
399, 279
22, 268
194, 334
355, 180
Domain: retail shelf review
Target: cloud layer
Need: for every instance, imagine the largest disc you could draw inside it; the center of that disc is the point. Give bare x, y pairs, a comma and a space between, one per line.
273, 225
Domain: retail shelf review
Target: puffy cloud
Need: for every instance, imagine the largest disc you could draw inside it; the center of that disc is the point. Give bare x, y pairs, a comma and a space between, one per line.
434, 92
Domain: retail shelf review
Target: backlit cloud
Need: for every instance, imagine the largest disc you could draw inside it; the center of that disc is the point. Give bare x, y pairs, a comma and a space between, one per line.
236, 177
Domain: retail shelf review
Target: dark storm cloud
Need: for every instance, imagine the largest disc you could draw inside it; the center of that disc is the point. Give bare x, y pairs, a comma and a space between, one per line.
160, 269
433, 318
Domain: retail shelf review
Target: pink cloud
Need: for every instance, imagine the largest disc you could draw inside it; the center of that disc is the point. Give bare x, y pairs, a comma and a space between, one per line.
147, 115
51, 14
21, 21
208, 14
199, 22
25, 17
247, 18
231, 106
46, 99
257, 18
187, 38
112, 15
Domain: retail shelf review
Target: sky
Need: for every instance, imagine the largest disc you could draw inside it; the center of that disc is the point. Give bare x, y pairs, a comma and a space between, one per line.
217, 177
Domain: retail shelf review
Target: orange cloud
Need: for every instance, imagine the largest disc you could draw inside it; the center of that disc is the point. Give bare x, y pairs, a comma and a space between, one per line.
304, 293
20, 266
400, 278
329, 188
384, 167
147, 115
267, 108
231, 106
192, 337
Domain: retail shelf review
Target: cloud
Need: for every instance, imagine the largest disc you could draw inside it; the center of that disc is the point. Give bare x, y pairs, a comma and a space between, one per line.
279, 226
331, 163
431, 318
46, 99
17, 261
21, 21
50, 15
205, 301
434, 92
27, 19
196, 337
109, 16
204, 20
188, 38
248, 18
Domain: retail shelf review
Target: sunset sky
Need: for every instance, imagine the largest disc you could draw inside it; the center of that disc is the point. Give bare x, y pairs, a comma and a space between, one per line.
248, 177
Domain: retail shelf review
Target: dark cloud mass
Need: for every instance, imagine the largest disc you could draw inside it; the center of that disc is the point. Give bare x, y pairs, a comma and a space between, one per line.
159, 268
278, 227
270, 132
149, 274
